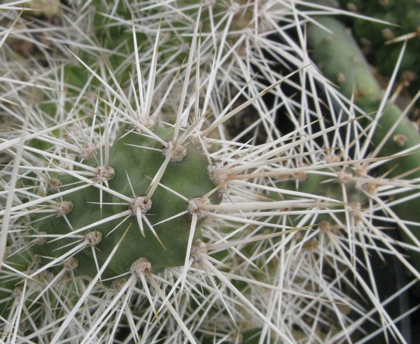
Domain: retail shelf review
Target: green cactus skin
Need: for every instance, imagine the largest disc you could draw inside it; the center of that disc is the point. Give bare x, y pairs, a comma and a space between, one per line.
337, 54
136, 158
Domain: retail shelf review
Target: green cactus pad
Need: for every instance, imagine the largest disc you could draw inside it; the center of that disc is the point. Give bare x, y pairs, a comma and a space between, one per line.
136, 158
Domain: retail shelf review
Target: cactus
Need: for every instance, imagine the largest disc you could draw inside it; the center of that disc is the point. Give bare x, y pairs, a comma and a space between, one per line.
133, 212
135, 157
340, 57
378, 39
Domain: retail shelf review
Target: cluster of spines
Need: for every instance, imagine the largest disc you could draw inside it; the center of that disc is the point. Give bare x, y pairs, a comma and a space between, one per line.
260, 175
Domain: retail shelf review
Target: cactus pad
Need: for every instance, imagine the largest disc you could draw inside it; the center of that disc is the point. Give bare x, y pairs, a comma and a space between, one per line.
134, 160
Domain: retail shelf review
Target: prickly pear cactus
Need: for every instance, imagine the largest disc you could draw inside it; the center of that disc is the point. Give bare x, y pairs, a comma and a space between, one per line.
120, 200
340, 59
134, 213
